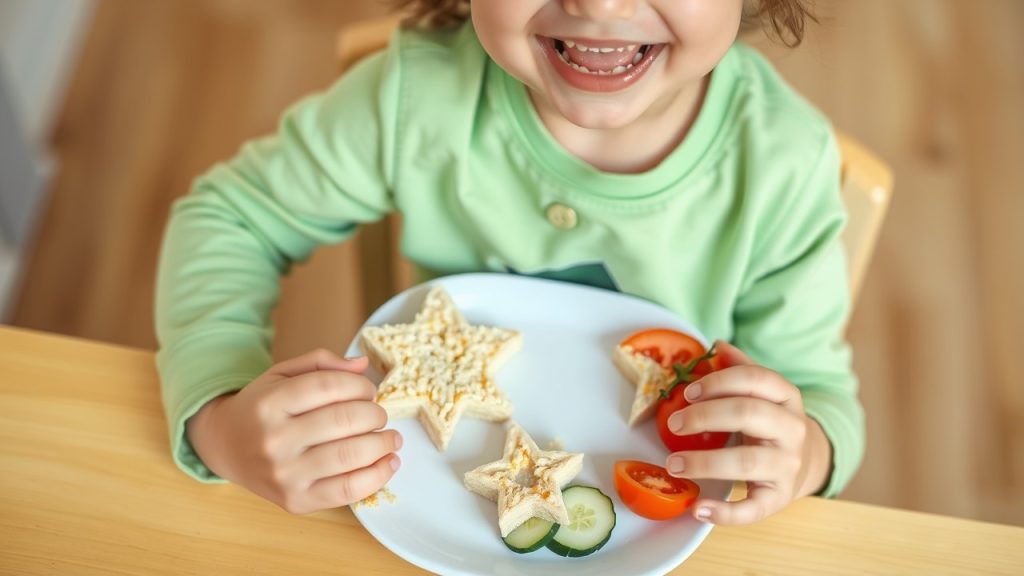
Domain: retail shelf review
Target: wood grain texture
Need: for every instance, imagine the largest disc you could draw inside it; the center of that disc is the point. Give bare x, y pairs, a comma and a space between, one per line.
165, 88
89, 488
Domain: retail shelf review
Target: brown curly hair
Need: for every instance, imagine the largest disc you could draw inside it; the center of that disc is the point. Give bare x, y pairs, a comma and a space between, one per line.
783, 19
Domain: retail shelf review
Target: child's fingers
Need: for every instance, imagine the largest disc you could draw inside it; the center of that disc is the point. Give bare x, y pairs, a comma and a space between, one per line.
343, 456
334, 421
750, 416
320, 359
312, 390
345, 489
750, 463
754, 381
762, 501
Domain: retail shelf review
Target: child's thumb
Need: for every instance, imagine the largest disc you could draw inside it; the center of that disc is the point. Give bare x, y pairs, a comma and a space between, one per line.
320, 359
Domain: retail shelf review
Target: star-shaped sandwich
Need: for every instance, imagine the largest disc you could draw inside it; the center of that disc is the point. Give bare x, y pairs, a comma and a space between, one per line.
527, 482
647, 375
440, 367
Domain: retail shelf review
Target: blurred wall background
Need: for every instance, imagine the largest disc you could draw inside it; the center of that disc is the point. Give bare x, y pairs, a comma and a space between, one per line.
39, 41
163, 89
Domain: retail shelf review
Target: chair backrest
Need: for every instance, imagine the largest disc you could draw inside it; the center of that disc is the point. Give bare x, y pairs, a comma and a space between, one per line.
865, 182
362, 38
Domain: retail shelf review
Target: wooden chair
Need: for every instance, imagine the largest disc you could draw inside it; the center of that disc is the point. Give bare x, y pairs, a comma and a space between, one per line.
865, 183
362, 38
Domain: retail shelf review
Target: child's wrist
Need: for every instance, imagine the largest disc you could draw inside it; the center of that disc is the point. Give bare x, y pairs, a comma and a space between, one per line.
201, 432
819, 459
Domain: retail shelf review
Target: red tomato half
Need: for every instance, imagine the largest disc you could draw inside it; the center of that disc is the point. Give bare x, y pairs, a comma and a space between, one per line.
667, 347
649, 490
672, 348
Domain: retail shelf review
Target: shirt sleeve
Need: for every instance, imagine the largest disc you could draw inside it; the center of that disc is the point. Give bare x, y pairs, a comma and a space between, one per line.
793, 313
228, 242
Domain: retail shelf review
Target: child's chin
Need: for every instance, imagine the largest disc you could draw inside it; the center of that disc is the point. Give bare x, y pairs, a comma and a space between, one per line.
592, 115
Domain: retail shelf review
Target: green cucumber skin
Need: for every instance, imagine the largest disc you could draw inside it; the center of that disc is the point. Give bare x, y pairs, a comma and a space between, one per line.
569, 552
536, 545
574, 553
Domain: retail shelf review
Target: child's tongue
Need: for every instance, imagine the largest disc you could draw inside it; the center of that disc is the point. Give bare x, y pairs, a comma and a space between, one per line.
604, 61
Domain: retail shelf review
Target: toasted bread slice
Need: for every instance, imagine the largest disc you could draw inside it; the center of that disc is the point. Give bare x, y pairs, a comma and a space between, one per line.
647, 375
526, 482
440, 368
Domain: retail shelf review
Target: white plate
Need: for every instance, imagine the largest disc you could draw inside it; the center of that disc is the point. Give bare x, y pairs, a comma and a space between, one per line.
565, 389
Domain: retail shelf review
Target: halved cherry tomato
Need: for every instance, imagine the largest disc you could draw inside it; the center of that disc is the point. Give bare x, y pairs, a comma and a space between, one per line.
672, 349
667, 347
649, 490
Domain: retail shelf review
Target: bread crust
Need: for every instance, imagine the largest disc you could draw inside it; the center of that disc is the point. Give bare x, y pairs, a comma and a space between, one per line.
647, 375
440, 368
526, 482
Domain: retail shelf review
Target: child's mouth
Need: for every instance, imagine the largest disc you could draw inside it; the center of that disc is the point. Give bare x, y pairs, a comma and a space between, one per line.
600, 66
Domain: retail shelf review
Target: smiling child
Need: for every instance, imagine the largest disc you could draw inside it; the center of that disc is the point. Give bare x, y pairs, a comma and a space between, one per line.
635, 145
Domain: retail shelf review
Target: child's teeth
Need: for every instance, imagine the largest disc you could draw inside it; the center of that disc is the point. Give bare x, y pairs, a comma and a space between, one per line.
606, 50
585, 70
567, 44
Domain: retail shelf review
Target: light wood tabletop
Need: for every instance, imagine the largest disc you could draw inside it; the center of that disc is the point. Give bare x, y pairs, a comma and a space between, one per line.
87, 486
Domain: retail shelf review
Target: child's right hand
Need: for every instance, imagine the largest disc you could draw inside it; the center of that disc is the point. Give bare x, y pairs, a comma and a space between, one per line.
306, 434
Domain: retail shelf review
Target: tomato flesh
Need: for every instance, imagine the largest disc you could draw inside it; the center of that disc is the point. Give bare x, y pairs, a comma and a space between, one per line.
668, 348
649, 491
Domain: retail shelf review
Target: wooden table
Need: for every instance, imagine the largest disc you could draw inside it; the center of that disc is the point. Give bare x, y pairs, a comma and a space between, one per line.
87, 486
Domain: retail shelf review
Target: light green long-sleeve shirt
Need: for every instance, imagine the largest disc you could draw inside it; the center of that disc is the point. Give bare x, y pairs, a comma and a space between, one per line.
736, 230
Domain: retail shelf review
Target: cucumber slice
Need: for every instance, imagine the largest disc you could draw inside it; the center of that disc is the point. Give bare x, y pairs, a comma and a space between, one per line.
591, 520
531, 535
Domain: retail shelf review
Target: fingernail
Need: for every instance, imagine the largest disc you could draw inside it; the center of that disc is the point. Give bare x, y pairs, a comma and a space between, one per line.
692, 392
395, 463
398, 441
675, 422
354, 358
703, 514
675, 464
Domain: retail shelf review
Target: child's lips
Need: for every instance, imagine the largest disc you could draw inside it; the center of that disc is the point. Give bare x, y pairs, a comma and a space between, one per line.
600, 66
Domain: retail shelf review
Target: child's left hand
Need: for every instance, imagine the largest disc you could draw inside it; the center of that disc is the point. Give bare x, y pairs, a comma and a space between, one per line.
783, 454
